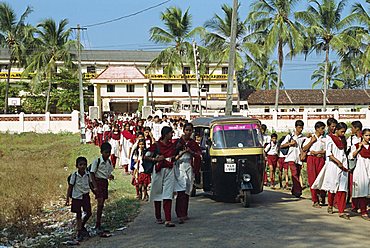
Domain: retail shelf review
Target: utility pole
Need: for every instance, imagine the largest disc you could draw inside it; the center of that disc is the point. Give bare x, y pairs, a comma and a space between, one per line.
82, 111
230, 76
197, 74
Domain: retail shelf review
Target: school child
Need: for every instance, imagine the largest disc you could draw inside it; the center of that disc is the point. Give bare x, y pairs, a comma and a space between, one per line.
163, 176
100, 134
331, 123
148, 136
101, 171
95, 134
78, 190
361, 173
315, 148
188, 161
127, 140
266, 140
156, 128
106, 131
355, 138
143, 179
88, 134
115, 143
334, 176
271, 151
294, 142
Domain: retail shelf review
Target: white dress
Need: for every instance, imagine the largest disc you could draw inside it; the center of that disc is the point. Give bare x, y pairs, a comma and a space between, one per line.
125, 152
361, 175
88, 135
184, 176
115, 147
331, 178
162, 186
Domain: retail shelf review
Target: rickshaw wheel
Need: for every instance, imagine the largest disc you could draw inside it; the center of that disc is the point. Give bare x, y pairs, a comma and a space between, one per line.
246, 198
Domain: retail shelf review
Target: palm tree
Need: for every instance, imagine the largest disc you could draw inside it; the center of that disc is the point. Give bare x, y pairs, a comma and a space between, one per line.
325, 24
178, 35
53, 45
12, 35
362, 16
261, 74
275, 17
333, 76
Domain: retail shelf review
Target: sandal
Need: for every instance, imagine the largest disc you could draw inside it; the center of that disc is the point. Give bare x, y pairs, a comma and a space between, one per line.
169, 224
344, 216
159, 221
181, 221
365, 217
330, 210
316, 205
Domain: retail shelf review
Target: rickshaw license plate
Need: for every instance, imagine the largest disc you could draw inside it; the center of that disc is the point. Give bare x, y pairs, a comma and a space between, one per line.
230, 167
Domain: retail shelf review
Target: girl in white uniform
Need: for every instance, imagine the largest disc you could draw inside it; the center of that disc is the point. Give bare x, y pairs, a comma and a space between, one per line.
361, 173
334, 176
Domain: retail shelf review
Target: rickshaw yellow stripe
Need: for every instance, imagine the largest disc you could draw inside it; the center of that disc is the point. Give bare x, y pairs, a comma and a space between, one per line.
236, 152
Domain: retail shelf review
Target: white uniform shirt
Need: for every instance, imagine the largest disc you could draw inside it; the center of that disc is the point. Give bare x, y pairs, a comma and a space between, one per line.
100, 129
266, 139
352, 140
104, 170
271, 149
80, 184
106, 128
156, 131
139, 163
318, 146
294, 151
148, 124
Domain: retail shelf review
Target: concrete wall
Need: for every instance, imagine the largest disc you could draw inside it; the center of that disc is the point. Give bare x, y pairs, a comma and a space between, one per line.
40, 123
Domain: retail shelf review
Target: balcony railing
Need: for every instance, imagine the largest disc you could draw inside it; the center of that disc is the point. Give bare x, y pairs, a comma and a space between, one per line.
188, 76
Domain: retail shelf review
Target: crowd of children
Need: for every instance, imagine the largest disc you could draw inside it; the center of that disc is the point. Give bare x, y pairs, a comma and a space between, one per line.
163, 159
337, 168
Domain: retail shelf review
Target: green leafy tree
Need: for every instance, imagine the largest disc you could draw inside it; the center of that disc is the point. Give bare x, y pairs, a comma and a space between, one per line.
324, 23
275, 18
177, 34
13, 35
53, 45
333, 76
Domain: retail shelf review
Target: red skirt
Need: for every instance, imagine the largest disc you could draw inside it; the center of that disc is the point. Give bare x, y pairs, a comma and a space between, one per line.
144, 178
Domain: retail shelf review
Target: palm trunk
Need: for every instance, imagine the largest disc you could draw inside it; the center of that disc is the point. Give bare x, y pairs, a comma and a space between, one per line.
325, 78
48, 97
188, 88
7, 87
281, 61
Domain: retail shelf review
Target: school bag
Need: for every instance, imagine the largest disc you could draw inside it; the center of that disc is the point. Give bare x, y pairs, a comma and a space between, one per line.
285, 150
88, 170
149, 165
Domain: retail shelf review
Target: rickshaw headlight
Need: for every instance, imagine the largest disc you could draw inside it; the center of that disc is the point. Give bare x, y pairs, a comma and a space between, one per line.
246, 177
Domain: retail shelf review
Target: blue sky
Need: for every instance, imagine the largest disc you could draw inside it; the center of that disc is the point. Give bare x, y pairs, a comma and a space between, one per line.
133, 33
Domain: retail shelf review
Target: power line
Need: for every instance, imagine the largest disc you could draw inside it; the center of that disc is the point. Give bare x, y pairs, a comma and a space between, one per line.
126, 16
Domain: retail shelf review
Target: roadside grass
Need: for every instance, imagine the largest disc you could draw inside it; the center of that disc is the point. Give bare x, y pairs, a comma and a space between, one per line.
34, 170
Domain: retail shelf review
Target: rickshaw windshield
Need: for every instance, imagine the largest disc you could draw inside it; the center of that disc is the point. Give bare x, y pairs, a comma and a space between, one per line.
236, 136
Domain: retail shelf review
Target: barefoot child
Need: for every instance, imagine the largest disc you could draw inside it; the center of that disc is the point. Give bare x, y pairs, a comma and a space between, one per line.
101, 171
78, 190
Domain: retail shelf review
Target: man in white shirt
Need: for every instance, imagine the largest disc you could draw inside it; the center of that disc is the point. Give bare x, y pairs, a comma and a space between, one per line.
295, 141
157, 128
315, 148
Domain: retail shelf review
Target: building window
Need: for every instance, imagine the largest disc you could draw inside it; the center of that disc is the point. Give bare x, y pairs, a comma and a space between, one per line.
111, 88
301, 109
90, 88
186, 70
167, 87
223, 87
184, 88
318, 110
205, 88
225, 70
150, 87
130, 88
267, 110
91, 69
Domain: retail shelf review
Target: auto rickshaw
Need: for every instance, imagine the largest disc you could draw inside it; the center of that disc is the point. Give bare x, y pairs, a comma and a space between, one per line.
232, 158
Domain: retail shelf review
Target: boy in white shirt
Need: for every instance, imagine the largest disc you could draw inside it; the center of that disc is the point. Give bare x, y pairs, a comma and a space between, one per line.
295, 141
271, 151
78, 190
101, 171
315, 148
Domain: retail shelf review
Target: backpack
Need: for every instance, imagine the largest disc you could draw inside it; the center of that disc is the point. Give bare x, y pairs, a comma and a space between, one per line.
285, 150
149, 165
88, 170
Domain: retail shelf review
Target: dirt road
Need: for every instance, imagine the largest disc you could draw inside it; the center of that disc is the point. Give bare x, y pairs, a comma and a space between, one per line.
275, 219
